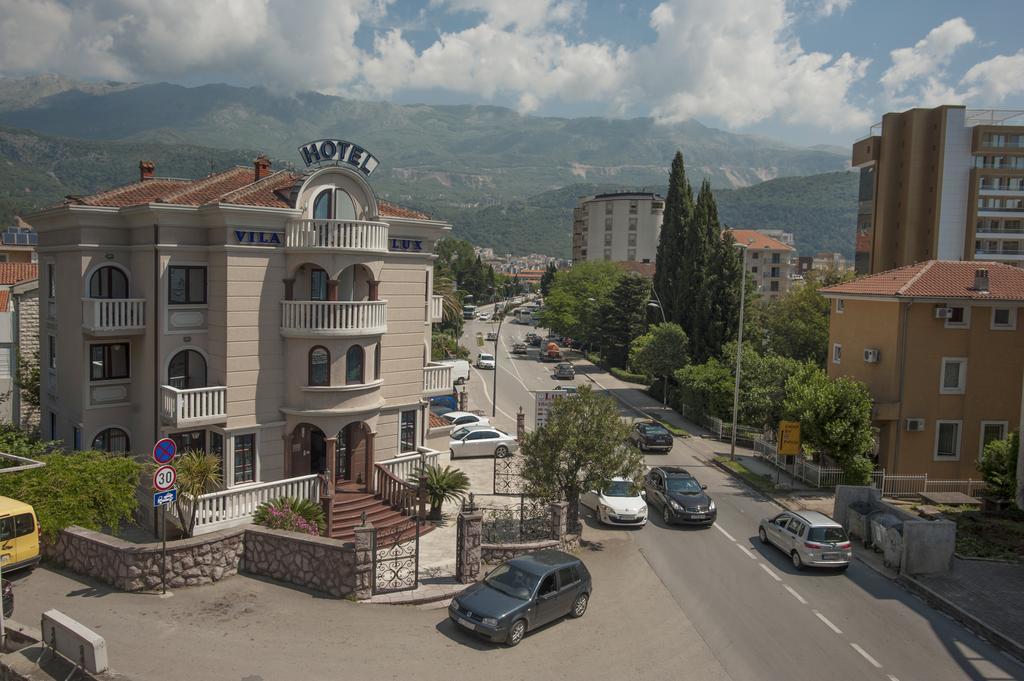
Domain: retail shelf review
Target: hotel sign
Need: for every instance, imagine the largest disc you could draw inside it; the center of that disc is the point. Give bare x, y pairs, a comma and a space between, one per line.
338, 152
405, 245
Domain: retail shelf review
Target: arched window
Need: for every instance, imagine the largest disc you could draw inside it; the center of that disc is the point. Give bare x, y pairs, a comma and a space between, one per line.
345, 207
334, 204
111, 440
354, 365
319, 366
108, 282
187, 370
322, 206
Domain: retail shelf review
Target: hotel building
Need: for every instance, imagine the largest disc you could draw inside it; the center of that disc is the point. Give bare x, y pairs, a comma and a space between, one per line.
944, 183
620, 227
279, 320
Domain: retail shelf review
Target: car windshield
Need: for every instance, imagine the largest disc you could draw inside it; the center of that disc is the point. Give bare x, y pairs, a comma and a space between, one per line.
460, 433
684, 485
653, 430
451, 416
512, 581
486, 357
827, 534
619, 488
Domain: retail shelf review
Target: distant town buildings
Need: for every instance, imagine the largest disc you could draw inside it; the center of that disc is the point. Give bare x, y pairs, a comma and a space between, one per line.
771, 262
831, 262
779, 235
939, 346
18, 243
944, 183
619, 227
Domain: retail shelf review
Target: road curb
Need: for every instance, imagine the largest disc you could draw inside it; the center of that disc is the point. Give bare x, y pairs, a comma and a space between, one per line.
971, 622
725, 469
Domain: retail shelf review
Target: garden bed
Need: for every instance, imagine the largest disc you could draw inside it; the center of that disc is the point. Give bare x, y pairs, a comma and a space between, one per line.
998, 536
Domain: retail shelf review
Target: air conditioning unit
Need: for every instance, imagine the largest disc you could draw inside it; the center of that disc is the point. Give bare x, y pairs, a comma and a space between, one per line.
915, 425
871, 355
943, 312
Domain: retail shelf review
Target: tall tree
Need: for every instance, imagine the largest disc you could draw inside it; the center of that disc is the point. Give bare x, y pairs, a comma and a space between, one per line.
691, 290
671, 242
623, 317
720, 299
547, 279
659, 352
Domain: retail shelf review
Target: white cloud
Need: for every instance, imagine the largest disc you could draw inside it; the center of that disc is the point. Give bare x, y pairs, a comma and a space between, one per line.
925, 64
827, 8
990, 82
526, 15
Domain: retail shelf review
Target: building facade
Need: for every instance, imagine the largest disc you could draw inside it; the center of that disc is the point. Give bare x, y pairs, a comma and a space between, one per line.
19, 338
620, 227
944, 183
280, 320
940, 346
772, 264
18, 243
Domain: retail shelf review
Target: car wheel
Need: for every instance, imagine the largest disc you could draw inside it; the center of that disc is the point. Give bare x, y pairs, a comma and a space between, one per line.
842, 568
580, 606
516, 633
762, 535
501, 452
460, 381
797, 562
452, 452
666, 514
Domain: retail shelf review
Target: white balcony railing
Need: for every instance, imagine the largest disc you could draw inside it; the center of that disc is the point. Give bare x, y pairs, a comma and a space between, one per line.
311, 318
407, 465
193, 407
236, 506
337, 235
437, 308
114, 315
437, 379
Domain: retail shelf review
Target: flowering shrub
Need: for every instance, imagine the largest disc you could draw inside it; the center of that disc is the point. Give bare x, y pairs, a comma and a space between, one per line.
294, 515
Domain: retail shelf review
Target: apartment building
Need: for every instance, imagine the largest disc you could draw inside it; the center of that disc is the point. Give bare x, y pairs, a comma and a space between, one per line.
944, 183
940, 345
18, 243
620, 227
772, 263
280, 320
19, 335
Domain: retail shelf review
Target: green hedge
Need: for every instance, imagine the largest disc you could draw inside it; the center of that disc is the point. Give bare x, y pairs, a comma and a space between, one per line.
629, 376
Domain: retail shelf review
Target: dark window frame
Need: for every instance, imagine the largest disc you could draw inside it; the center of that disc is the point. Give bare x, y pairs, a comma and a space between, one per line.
107, 362
349, 366
188, 284
103, 277
407, 431
104, 438
244, 446
327, 378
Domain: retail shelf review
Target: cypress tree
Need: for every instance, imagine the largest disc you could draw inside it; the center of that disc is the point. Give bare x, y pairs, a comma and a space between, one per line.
671, 243
701, 234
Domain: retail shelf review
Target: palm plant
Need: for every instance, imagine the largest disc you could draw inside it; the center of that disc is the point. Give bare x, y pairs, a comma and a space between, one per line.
310, 511
198, 473
444, 286
442, 484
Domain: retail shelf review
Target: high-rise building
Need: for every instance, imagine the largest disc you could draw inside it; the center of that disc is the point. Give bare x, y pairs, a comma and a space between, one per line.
621, 227
771, 263
944, 183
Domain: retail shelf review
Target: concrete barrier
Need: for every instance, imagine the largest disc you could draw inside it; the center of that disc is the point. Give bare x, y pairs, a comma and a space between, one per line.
74, 641
849, 494
928, 546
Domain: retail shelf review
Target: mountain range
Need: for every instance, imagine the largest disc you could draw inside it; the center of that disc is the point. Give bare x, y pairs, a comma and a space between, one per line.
504, 179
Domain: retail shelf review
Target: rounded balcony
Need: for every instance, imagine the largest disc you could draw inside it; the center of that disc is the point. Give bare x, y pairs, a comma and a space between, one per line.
321, 234
333, 318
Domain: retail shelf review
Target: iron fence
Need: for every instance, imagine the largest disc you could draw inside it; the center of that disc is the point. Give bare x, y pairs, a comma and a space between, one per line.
508, 480
527, 521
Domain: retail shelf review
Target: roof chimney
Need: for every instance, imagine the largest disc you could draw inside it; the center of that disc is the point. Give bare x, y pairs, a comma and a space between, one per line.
981, 280
147, 169
261, 166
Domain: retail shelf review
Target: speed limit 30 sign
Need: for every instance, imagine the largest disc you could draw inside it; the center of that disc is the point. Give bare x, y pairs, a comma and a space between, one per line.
164, 478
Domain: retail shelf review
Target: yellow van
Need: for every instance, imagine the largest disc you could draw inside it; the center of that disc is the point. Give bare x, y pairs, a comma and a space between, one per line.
19, 535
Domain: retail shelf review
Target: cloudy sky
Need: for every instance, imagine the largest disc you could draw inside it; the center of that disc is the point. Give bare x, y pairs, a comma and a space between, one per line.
808, 71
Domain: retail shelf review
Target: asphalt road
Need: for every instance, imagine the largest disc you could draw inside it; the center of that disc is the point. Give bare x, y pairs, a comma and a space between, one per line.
760, 617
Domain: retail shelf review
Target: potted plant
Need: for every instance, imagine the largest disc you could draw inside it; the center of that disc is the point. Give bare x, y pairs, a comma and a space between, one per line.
442, 484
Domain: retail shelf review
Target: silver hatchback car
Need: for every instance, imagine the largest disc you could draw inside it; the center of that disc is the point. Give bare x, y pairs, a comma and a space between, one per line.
809, 538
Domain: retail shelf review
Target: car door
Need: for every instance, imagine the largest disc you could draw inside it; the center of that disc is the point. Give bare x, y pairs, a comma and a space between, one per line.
777, 529
794, 533
8, 549
548, 600
655, 487
26, 537
472, 444
568, 589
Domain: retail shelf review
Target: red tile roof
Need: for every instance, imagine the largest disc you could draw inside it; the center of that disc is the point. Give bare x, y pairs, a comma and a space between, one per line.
644, 269
5, 297
15, 272
270, 192
436, 421
210, 188
937, 279
387, 209
756, 239
131, 194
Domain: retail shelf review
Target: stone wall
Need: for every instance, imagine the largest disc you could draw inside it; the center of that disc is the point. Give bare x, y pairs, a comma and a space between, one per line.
136, 567
492, 554
28, 343
318, 563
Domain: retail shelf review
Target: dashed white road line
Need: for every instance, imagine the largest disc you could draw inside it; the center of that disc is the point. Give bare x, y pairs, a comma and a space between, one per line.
747, 551
719, 528
893, 678
770, 572
794, 594
864, 654
828, 623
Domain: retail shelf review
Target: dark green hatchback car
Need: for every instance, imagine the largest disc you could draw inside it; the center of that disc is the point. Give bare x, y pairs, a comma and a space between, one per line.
522, 594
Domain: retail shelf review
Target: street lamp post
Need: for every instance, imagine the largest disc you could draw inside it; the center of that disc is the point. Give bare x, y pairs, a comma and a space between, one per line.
739, 352
497, 339
664, 320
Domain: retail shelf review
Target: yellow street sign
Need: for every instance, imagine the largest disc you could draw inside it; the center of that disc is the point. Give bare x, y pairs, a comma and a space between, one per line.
789, 438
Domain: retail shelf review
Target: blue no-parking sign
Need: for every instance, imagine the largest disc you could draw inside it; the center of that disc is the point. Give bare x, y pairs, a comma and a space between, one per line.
164, 450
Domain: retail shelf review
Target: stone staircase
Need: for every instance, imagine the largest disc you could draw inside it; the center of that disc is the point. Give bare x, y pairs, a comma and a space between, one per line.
347, 508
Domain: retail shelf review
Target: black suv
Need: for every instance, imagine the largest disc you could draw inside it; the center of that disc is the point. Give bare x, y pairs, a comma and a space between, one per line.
651, 436
679, 496
522, 594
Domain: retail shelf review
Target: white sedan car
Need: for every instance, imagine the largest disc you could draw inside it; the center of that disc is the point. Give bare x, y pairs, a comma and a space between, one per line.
619, 503
481, 441
464, 418
485, 361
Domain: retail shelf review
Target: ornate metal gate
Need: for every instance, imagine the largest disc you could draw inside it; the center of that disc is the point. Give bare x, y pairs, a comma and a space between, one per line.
396, 557
507, 479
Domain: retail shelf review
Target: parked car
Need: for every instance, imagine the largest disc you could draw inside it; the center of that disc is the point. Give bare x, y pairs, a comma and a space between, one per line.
810, 538
530, 335
460, 370
679, 496
536, 341
491, 336
651, 436
519, 349
8, 598
464, 418
483, 316
522, 594
567, 389
618, 503
20, 529
565, 370
482, 441
485, 360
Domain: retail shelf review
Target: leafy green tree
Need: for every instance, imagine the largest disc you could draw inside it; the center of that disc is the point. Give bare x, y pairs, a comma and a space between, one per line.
718, 319
571, 308
90, 489
623, 317
672, 240
834, 415
659, 352
580, 448
796, 324
998, 466
692, 290
15, 441
547, 279
198, 473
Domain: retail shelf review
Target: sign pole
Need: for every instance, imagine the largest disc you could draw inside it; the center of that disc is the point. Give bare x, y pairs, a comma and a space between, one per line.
163, 549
